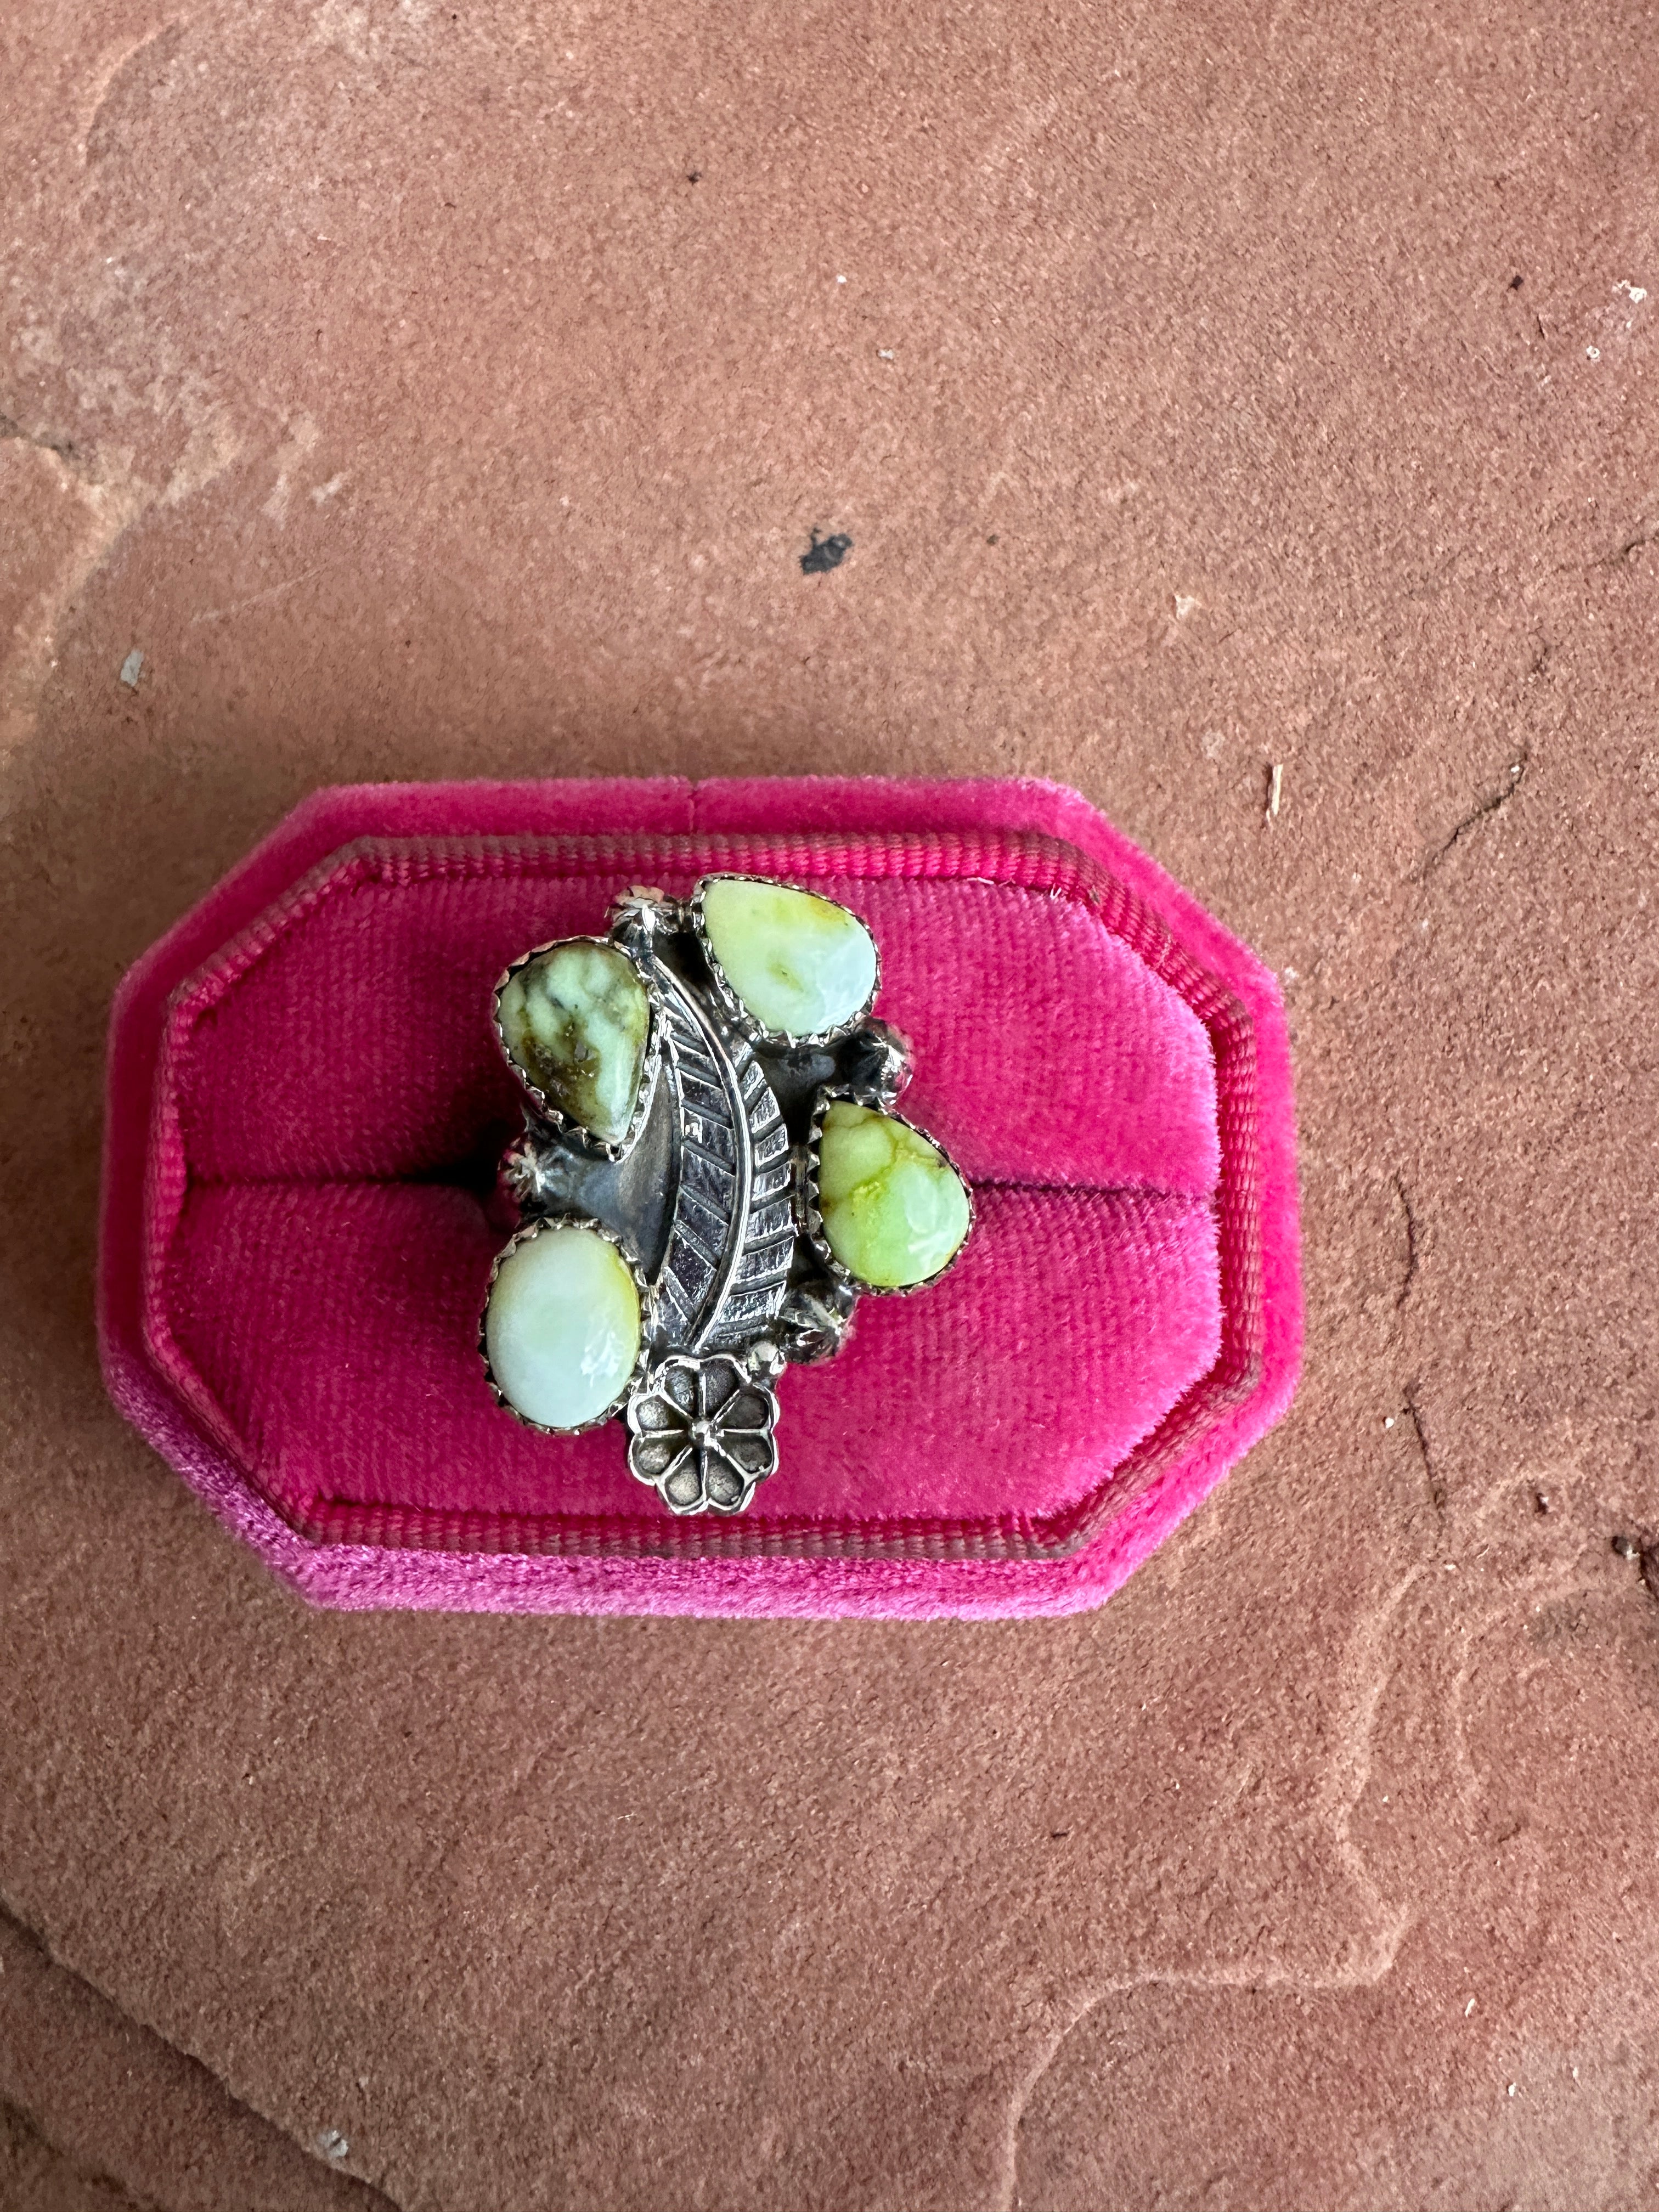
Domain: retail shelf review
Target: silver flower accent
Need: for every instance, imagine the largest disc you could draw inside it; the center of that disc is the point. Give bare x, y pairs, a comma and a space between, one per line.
701, 1433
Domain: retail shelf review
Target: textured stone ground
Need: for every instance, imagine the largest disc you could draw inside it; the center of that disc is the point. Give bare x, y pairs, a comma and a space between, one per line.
429, 390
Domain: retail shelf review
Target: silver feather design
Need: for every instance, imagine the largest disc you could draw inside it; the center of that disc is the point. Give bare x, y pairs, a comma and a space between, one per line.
726, 1267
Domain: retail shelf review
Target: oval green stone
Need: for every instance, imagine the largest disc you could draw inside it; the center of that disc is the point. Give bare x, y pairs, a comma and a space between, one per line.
894, 1209
799, 962
576, 1020
562, 1327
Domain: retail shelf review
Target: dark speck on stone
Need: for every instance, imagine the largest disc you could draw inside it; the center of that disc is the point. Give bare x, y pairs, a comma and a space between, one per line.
827, 553
1516, 283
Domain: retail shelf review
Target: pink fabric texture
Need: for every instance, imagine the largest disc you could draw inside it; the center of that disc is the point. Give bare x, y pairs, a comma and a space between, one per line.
306, 1101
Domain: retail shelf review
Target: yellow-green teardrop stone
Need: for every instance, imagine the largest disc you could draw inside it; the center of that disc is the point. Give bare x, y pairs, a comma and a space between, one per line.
894, 1209
799, 962
576, 1020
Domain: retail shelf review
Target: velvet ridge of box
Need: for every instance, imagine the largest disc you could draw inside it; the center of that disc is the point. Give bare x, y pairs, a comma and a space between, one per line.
306, 1101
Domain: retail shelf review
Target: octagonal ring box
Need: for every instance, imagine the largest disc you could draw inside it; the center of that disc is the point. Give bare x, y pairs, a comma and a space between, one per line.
306, 1103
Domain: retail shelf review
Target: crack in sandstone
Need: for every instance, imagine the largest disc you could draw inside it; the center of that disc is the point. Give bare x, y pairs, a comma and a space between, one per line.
1646, 535
49, 441
1435, 1480
1410, 1214
369, 2193
24, 2122
263, 598
1492, 803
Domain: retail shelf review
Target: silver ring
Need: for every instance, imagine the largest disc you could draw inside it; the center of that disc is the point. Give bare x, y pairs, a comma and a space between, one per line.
708, 1094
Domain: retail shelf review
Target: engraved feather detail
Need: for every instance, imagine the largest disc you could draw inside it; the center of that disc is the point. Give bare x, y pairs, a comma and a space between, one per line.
726, 1267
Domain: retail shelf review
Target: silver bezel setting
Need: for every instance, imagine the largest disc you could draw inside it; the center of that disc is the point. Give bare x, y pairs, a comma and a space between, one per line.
556, 1118
525, 1235
732, 1006
811, 1215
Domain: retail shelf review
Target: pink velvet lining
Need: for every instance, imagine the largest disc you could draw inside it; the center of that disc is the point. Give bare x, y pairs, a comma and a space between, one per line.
306, 1095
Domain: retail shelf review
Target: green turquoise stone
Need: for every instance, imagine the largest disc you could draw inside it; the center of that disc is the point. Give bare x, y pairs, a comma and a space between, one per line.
562, 1327
894, 1209
576, 1021
800, 964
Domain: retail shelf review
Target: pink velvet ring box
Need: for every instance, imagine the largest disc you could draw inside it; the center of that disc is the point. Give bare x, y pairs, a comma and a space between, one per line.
307, 1100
